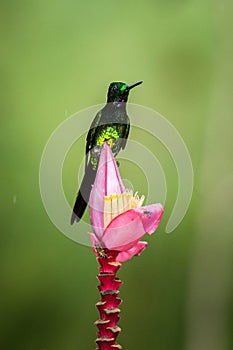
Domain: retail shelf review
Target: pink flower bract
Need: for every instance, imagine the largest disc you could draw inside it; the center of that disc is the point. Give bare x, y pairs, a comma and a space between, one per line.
121, 226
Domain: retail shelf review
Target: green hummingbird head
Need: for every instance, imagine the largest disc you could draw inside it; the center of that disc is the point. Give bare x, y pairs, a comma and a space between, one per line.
118, 92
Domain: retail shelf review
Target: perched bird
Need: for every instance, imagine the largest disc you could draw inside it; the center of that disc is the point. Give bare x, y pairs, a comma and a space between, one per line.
111, 124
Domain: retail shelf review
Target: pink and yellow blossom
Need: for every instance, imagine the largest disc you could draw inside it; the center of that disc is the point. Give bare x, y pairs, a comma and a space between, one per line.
117, 216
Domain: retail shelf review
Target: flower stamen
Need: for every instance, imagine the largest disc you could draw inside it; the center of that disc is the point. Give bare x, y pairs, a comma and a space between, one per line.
116, 204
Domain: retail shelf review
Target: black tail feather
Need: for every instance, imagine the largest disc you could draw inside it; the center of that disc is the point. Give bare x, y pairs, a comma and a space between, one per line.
83, 194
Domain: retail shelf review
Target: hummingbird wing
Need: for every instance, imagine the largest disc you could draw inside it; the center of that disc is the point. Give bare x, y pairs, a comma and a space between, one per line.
125, 135
90, 139
89, 175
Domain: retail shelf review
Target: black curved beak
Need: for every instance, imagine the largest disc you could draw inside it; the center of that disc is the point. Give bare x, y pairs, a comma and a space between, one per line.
133, 85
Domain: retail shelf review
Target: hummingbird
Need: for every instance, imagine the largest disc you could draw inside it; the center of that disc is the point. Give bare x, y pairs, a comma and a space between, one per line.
111, 124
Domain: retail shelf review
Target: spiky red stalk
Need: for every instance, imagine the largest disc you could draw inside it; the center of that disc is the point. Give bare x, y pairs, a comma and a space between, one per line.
108, 306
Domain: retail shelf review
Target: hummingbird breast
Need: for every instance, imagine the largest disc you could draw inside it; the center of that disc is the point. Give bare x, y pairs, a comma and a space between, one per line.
109, 134
111, 128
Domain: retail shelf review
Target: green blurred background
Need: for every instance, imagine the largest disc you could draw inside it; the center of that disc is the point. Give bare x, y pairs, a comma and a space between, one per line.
58, 57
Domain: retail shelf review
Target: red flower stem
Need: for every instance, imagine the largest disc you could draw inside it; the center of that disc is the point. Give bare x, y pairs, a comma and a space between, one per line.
108, 306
